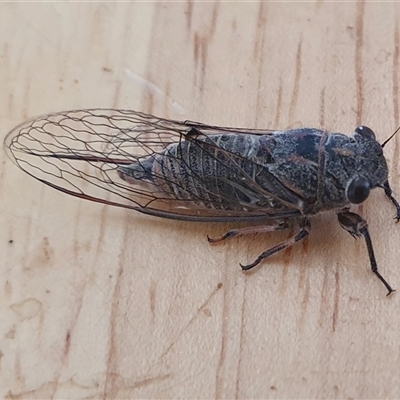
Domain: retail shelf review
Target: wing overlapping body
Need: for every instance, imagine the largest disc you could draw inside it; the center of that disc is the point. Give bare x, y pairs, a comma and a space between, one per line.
179, 170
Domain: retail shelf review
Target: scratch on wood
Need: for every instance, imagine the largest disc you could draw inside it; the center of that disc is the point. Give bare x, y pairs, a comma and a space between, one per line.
259, 53
152, 297
222, 354
195, 316
336, 299
67, 343
214, 19
111, 377
396, 73
304, 284
242, 312
189, 13
48, 253
8, 289
196, 48
396, 65
322, 108
295, 94
278, 105
149, 381
358, 59
18, 371
26, 96
204, 305
117, 94
324, 301
260, 36
201, 43
44, 391
306, 298
200, 57
286, 259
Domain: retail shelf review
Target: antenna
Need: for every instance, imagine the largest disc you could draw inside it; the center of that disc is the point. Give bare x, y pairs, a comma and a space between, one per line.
387, 140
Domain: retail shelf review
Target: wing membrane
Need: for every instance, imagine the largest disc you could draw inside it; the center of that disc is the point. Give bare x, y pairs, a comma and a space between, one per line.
82, 152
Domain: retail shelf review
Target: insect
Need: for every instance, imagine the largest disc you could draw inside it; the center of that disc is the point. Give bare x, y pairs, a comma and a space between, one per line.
195, 172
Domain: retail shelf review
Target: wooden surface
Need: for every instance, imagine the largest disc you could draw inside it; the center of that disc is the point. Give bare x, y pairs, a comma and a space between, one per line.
99, 302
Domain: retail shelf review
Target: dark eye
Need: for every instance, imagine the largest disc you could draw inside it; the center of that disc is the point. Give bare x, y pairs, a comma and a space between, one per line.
358, 190
366, 132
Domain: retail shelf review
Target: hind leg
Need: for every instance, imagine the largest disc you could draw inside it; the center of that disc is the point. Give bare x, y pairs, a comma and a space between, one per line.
250, 230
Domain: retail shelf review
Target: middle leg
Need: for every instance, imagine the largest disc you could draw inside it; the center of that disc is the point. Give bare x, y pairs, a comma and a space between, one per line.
305, 227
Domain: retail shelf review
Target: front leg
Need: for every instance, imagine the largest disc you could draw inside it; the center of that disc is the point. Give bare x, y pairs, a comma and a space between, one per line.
358, 227
388, 192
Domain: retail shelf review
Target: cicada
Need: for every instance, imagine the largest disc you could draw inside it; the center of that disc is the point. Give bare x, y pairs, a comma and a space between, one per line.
195, 172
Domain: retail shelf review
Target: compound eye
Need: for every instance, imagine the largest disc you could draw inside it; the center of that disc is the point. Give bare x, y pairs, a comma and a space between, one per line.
366, 132
358, 190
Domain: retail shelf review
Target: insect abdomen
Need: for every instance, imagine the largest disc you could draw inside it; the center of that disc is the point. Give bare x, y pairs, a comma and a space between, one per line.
212, 171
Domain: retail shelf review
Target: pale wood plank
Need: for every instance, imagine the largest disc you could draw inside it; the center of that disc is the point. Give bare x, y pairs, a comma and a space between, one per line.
103, 303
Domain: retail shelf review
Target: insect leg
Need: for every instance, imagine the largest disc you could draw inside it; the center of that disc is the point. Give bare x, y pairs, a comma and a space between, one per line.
388, 192
358, 227
305, 227
249, 230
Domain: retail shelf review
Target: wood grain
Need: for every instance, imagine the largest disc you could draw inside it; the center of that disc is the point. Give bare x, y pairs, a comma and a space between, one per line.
98, 302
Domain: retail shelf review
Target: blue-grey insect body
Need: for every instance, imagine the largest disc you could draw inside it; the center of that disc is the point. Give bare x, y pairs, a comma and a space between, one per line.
309, 169
196, 172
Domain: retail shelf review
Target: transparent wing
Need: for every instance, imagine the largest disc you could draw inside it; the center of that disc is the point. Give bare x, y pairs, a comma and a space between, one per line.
83, 152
